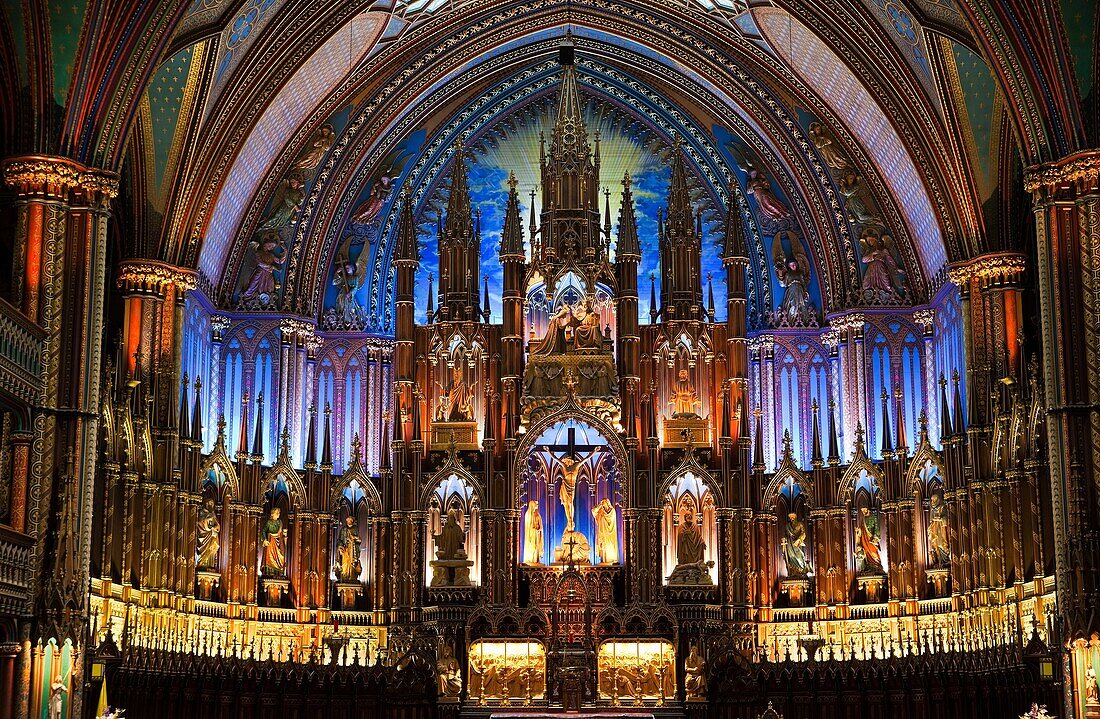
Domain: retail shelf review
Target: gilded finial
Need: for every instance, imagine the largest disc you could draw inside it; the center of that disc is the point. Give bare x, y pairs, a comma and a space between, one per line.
512, 182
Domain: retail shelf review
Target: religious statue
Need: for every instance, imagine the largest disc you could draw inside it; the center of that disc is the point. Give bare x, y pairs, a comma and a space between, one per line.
1091, 691
209, 531
448, 672
587, 334
684, 398
568, 490
368, 212
348, 277
532, 534
319, 146
695, 677
607, 533
868, 557
938, 549
792, 270
58, 691
758, 185
348, 565
285, 206
691, 565
273, 534
858, 210
450, 543
574, 545
882, 270
458, 406
794, 548
833, 157
261, 283
554, 341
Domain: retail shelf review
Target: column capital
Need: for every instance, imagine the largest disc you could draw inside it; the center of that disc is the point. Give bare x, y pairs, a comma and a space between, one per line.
52, 176
155, 277
1080, 169
990, 268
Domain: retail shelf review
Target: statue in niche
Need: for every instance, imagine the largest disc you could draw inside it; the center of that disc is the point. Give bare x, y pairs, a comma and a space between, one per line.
881, 276
684, 398
575, 548
794, 548
261, 283
792, 270
448, 672
607, 533
57, 697
532, 534
1092, 697
851, 186
209, 533
273, 534
938, 549
587, 334
459, 403
450, 543
832, 156
695, 675
554, 341
868, 557
691, 565
319, 146
759, 186
286, 205
348, 545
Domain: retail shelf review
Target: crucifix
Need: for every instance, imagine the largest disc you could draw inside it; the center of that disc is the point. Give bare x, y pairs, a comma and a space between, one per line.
571, 460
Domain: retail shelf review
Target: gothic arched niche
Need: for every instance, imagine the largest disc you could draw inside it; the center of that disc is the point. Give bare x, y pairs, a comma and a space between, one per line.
570, 498
792, 506
690, 528
453, 537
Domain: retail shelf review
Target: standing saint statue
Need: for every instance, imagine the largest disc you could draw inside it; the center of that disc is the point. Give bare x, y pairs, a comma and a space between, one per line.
273, 534
607, 533
532, 534
209, 531
348, 544
57, 697
691, 549
448, 672
794, 548
938, 549
882, 271
867, 551
684, 398
832, 156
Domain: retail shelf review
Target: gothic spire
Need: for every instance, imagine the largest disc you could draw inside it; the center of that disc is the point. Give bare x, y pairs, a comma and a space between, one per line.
242, 436
511, 238
945, 412
196, 418
960, 418
326, 446
834, 441
735, 232
407, 248
886, 445
816, 459
899, 417
258, 439
182, 428
311, 438
458, 220
758, 444
627, 245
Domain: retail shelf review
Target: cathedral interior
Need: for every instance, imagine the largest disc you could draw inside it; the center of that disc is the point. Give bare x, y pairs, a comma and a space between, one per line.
511, 358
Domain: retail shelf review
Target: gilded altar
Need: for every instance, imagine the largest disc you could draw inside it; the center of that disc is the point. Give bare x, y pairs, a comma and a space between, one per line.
635, 672
505, 671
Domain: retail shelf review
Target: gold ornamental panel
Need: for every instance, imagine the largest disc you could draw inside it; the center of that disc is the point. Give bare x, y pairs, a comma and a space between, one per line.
633, 672
502, 671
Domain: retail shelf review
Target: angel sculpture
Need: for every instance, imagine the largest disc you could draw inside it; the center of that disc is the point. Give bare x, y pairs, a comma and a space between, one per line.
348, 278
318, 147
370, 209
759, 186
851, 186
269, 257
881, 276
792, 270
827, 148
285, 205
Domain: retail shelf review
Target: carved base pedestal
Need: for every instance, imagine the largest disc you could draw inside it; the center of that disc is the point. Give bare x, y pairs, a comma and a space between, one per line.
207, 580
574, 549
679, 429
275, 588
871, 585
451, 572
939, 581
462, 434
692, 575
797, 590
347, 593
1092, 709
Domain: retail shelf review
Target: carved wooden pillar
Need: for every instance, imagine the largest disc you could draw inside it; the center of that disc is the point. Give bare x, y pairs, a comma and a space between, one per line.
20, 469
1066, 196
